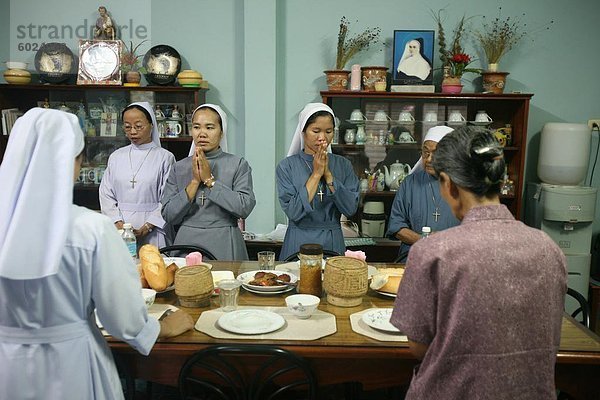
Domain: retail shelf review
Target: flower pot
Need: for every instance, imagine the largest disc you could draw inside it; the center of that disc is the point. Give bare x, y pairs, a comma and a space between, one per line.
449, 88
337, 79
133, 78
372, 75
494, 82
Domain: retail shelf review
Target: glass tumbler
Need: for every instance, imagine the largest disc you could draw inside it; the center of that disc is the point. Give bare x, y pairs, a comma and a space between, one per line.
229, 290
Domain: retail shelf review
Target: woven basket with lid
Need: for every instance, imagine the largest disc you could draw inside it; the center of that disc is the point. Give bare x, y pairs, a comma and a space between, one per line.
346, 281
194, 285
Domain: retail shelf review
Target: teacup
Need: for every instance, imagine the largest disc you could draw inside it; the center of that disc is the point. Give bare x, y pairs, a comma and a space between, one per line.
357, 115
405, 137
430, 116
405, 116
456, 116
381, 116
482, 116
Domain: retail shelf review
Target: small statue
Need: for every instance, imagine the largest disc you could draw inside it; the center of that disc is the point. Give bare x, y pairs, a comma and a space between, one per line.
158, 113
175, 113
104, 29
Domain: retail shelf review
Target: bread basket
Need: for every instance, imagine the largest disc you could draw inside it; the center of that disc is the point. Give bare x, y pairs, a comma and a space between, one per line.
345, 281
194, 286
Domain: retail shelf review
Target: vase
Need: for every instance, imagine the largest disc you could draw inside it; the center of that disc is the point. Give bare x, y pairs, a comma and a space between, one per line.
451, 85
494, 82
337, 79
372, 75
451, 88
132, 78
492, 67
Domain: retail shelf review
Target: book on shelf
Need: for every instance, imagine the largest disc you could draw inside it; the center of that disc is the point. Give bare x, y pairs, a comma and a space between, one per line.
9, 117
413, 88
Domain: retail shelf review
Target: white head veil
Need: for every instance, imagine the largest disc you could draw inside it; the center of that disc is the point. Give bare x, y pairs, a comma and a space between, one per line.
219, 110
308, 110
413, 64
146, 106
37, 192
434, 134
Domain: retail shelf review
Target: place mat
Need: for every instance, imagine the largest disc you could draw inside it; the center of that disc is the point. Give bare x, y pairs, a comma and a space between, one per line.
319, 325
361, 328
155, 311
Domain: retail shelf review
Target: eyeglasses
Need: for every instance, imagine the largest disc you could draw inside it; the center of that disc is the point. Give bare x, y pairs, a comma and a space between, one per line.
137, 128
426, 154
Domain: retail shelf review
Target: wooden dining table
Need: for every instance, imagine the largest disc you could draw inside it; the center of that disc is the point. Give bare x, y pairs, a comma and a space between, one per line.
346, 356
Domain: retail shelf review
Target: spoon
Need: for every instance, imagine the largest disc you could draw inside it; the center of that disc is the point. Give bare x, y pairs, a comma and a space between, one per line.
286, 283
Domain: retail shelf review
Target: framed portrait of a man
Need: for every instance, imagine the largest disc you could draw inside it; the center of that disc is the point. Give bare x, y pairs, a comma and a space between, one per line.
413, 57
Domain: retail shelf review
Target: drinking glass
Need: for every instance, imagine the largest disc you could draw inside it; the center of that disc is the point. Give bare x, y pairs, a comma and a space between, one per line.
266, 260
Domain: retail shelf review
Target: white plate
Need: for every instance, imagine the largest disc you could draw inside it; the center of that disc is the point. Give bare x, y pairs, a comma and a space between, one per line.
379, 318
386, 293
249, 276
285, 290
480, 123
294, 268
251, 322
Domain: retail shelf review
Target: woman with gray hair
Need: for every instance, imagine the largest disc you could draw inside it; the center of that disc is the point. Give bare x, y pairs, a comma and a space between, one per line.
482, 302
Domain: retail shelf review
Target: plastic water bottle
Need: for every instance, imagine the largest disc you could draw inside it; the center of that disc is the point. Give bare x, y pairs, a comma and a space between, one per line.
425, 231
129, 239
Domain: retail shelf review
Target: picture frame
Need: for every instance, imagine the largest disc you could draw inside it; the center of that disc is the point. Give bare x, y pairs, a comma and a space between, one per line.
413, 57
99, 62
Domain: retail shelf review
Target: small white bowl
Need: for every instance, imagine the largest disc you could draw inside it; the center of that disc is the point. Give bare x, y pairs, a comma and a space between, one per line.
149, 296
302, 305
16, 65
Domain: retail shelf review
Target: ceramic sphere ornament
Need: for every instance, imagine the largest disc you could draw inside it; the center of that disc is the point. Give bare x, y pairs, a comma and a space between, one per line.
162, 64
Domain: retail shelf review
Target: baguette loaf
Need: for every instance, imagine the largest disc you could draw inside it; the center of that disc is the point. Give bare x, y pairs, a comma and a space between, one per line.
153, 266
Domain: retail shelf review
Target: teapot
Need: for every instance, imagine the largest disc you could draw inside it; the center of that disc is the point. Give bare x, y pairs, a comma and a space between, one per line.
396, 174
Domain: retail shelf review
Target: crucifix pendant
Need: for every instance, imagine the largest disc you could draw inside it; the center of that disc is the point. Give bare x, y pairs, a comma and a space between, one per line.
202, 198
320, 194
133, 181
436, 214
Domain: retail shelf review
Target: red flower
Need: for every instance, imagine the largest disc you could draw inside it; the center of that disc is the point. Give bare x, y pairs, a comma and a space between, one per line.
461, 58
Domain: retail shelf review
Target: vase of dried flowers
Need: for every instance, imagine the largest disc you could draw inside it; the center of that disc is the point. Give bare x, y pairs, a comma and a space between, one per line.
499, 35
337, 79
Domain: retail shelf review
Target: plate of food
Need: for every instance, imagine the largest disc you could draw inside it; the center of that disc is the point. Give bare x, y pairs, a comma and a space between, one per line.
267, 281
386, 281
251, 321
379, 318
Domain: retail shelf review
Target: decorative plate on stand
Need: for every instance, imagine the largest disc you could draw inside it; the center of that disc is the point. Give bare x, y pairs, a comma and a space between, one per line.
162, 64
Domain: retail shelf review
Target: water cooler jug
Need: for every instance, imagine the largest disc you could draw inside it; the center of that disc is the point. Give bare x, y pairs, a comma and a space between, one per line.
560, 207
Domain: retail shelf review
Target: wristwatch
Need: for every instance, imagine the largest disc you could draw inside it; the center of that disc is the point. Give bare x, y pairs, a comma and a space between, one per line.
210, 182
148, 227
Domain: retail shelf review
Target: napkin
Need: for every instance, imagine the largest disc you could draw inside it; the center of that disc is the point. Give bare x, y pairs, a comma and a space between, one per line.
356, 254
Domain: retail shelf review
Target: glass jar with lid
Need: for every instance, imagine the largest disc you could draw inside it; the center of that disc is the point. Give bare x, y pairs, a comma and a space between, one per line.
311, 260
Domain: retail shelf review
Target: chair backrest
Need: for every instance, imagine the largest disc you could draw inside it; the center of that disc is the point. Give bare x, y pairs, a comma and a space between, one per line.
187, 248
326, 253
246, 372
584, 307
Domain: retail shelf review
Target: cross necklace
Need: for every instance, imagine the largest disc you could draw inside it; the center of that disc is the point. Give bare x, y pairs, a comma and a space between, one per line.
133, 181
436, 214
320, 192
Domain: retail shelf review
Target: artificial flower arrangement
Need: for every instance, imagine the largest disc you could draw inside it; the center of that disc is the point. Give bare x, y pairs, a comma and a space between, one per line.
130, 61
455, 61
349, 47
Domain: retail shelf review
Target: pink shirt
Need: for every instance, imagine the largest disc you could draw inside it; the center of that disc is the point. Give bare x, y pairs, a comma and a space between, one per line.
487, 297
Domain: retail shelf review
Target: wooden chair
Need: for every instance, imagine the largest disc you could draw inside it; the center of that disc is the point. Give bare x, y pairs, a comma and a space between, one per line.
187, 248
246, 372
584, 307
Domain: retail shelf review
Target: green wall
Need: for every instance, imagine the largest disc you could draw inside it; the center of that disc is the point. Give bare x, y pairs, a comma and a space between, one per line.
264, 59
